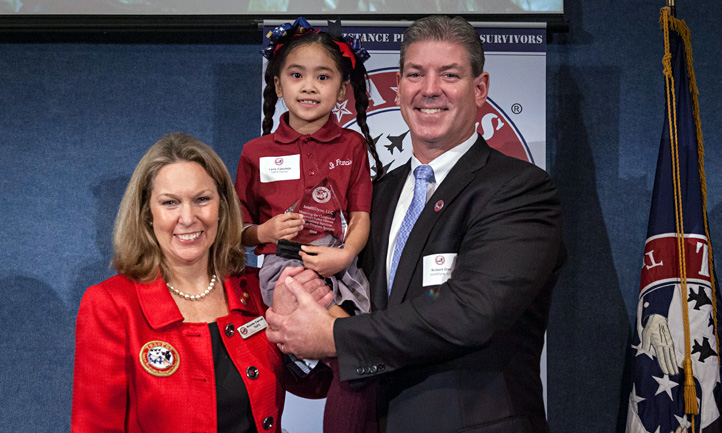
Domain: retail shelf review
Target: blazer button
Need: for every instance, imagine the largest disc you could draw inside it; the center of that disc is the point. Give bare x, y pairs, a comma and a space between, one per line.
252, 373
380, 367
361, 370
268, 423
373, 369
230, 330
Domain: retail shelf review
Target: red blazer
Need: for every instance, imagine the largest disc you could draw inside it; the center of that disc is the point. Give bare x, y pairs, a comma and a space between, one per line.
139, 367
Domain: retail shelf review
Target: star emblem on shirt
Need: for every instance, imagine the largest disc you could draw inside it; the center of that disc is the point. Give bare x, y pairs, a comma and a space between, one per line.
340, 109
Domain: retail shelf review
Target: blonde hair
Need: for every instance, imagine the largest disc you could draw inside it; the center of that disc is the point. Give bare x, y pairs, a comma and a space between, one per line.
136, 252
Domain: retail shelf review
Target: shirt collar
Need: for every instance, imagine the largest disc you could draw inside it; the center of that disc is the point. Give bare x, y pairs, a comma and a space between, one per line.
443, 164
285, 134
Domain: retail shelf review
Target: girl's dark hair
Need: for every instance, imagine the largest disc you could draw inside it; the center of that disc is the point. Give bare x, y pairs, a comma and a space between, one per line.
355, 76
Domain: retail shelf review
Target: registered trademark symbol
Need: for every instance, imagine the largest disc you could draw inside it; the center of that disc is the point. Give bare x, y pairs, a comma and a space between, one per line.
516, 108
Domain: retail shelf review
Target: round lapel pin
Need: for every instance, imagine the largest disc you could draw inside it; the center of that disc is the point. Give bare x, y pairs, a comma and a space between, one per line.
159, 358
439, 204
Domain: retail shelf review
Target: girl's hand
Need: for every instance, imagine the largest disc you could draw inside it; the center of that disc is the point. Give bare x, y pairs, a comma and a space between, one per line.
282, 226
327, 261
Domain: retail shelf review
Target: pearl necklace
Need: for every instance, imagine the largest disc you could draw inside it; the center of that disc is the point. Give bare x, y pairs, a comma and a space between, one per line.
193, 297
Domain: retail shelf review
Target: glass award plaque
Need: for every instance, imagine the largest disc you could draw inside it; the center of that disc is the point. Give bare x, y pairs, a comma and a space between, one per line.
324, 221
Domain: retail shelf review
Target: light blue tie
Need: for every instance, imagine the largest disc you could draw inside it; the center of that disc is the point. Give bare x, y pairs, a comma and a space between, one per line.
422, 174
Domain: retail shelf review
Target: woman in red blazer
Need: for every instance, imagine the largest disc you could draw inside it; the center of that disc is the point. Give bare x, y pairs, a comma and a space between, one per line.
176, 341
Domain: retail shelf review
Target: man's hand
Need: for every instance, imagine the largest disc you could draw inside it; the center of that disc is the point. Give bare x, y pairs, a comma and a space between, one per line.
307, 332
656, 334
284, 302
282, 226
326, 261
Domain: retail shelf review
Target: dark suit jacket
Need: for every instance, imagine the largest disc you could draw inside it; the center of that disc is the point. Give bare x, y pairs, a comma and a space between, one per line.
462, 355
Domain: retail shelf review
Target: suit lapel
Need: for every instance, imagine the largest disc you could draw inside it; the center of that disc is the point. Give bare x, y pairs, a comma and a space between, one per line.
386, 196
440, 202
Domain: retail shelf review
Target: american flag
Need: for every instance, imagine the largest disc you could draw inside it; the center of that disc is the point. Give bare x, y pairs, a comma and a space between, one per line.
675, 340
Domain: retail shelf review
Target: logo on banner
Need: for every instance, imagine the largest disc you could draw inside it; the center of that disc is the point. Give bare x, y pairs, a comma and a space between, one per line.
389, 131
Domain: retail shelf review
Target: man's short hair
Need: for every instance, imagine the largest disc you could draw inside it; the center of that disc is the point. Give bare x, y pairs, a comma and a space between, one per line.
444, 29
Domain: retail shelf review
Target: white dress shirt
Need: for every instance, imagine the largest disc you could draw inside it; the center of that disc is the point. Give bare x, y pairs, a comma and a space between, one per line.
442, 165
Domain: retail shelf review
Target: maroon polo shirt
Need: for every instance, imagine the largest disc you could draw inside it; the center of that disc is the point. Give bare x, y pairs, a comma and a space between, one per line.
275, 170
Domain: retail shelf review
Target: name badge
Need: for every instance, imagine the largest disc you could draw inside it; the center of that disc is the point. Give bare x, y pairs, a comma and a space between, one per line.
253, 327
275, 168
438, 268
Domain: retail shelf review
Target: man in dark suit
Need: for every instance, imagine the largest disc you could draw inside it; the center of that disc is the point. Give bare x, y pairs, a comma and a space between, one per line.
469, 242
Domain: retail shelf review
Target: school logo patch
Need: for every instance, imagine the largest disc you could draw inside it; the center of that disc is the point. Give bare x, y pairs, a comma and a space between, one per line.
393, 141
159, 358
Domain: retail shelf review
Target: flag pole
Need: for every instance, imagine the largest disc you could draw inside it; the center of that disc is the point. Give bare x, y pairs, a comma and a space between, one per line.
672, 8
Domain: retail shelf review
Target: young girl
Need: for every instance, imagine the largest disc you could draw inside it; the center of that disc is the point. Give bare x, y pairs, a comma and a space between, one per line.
312, 71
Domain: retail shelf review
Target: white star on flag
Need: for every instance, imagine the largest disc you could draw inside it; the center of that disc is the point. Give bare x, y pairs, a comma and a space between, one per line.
665, 385
635, 398
683, 421
642, 351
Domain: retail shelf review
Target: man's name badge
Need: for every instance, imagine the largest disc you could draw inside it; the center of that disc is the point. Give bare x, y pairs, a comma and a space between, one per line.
253, 327
438, 268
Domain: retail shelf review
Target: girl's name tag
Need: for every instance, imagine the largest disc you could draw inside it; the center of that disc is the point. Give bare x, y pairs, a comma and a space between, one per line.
275, 168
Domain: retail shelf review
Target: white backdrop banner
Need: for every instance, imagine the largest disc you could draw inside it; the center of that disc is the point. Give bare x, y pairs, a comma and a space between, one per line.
513, 120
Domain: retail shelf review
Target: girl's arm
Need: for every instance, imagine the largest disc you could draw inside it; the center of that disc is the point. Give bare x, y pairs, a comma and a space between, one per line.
282, 226
328, 261
358, 233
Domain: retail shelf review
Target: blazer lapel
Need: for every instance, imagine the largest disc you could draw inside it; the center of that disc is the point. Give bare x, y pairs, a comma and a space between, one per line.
441, 201
386, 195
157, 304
